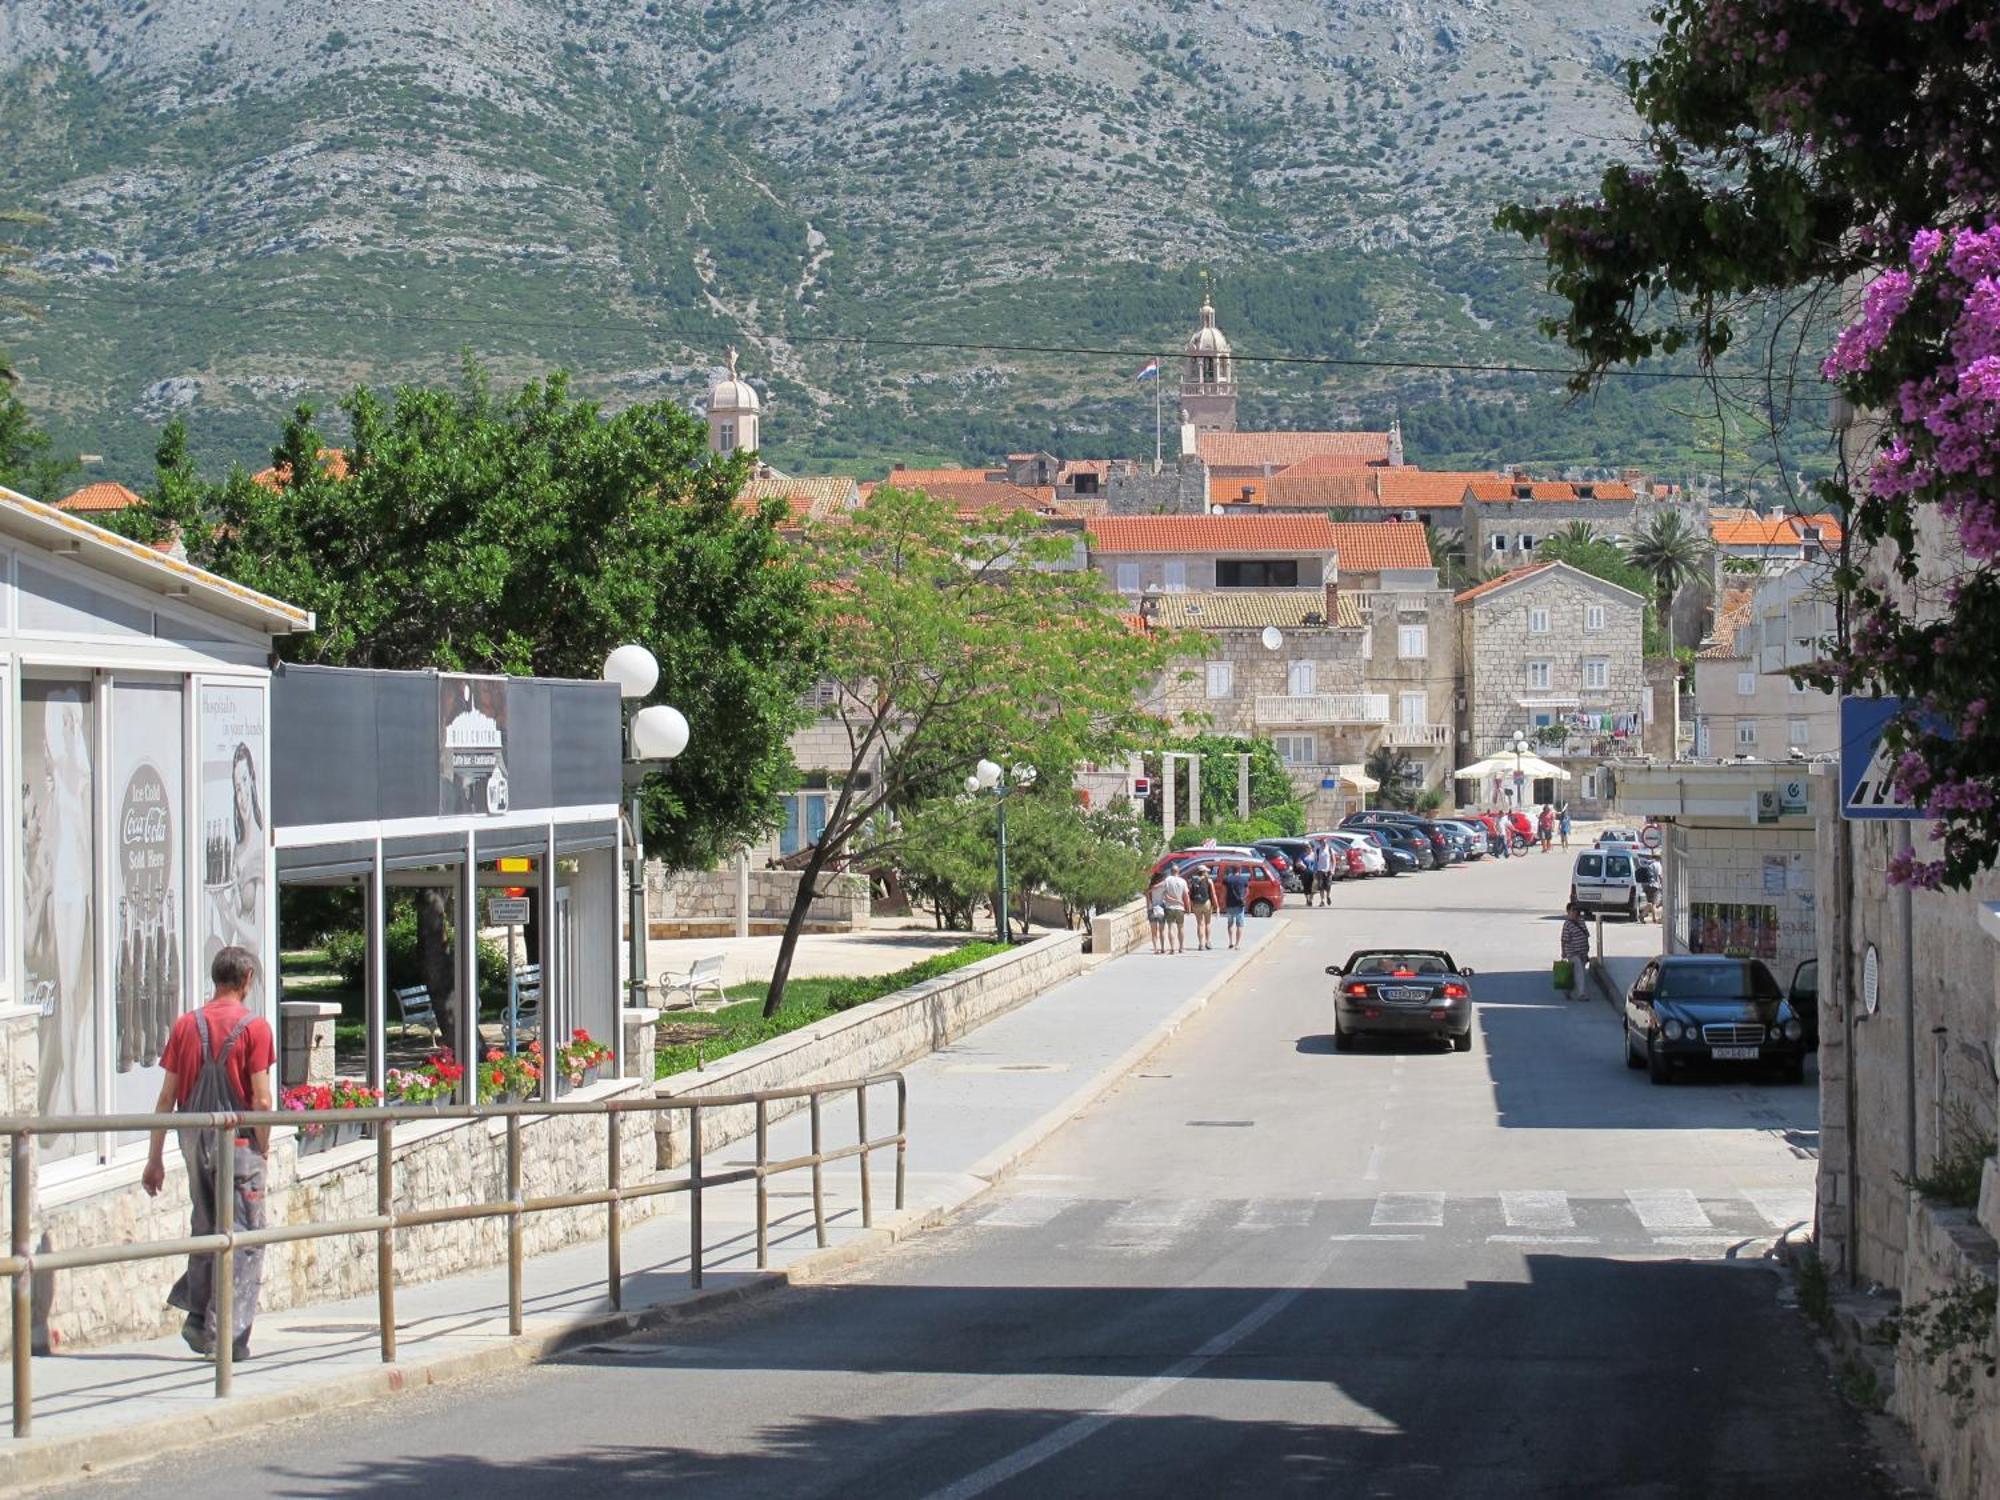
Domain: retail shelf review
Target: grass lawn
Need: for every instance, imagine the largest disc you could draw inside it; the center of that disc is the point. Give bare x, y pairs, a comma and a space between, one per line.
741, 1024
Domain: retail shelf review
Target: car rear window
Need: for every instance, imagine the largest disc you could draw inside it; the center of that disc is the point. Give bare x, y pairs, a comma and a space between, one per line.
1618, 866
1591, 865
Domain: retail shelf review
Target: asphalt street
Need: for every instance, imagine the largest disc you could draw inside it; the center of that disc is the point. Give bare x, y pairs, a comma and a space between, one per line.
1257, 1266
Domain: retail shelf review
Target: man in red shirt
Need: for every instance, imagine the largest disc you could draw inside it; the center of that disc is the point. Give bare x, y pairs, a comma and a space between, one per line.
218, 1059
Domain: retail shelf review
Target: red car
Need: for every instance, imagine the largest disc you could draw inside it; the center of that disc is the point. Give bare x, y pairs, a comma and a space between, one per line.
1267, 891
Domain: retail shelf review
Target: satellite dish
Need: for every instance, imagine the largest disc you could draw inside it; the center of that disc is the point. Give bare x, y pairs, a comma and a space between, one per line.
1273, 638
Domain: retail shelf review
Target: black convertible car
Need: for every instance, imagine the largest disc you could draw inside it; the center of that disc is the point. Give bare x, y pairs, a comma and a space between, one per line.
1402, 992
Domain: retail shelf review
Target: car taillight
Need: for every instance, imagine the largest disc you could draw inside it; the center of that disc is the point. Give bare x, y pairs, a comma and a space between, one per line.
1454, 992
1357, 989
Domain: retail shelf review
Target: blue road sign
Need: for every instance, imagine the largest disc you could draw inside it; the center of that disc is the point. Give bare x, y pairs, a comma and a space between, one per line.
1866, 763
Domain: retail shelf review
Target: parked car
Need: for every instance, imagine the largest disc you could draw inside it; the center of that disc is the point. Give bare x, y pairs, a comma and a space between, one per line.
1618, 835
1469, 840
1343, 861
1402, 992
1364, 855
1384, 817
1803, 997
1285, 856
1212, 851
1267, 891
1606, 880
1396, 860
1414, 842
1704, 1007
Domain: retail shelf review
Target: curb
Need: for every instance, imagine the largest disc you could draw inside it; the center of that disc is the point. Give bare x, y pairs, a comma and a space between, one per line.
37, 1462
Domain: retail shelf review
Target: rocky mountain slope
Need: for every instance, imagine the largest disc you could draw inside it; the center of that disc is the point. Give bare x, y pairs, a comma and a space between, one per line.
261, 201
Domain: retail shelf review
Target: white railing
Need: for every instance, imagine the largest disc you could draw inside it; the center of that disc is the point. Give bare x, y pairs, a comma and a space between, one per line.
1279, 711
1387, 601
1418, 736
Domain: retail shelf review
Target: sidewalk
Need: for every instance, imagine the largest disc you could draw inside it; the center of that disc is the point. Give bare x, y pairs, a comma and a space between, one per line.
975, 1109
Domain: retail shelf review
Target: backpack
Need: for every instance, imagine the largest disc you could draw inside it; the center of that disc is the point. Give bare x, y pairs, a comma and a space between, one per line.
214, 1091
1199, 889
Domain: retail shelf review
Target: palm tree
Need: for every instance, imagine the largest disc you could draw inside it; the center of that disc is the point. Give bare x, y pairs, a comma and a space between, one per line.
1669, 550
1576, 534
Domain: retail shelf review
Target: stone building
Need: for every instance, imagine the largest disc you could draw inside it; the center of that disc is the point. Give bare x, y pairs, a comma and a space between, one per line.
1504, 520
1556, 654
1173, 554
1745, 701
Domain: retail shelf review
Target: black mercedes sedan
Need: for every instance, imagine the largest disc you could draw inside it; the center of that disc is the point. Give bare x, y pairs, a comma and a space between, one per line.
1704, 1007
1401, 992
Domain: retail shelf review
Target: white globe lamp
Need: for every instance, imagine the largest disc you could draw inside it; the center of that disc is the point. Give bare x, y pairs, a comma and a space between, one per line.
633, 669
987, 773
658, 733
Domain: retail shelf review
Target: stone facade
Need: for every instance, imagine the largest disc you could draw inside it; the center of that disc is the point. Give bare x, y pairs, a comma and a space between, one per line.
1182, 572
1118, 931
698, 903
1523, 525
1547, 648
1792, 617
1959, 1438
1181, 488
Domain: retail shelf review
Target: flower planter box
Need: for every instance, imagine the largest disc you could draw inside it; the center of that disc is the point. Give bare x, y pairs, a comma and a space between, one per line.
316, 1138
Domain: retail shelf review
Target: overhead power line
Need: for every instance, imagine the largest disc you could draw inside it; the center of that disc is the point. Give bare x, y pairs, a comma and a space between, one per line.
352, 313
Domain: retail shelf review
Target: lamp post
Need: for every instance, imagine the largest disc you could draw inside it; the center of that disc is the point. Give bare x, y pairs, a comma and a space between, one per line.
1520, 776
991, 779
652, 734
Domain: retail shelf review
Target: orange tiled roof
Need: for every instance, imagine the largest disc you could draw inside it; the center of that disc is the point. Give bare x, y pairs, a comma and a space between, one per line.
1371, 546
976, 497
1756, 531
105, 495
922, 479
1237, 533
1383, 489
1501, 488
1830, 529
1253, 450
1733, 611
808, 499
1225, 489
1325, 463
332, 462
1512, 575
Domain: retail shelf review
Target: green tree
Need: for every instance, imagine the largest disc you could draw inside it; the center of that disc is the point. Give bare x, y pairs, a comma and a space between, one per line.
1575, 534
1602, 558
1396, 772
948, 641
1670, 551
29, 461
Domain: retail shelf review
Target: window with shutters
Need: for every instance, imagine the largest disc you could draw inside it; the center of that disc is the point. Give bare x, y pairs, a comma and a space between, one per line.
1128, 578
1597, 671
1797, 731
1175, 574
1413, 642
1746, 684
1539, 673
1538, 621
1296, 749
1221, 679
1593, 617
1499, 541
1301, 678
1746, 732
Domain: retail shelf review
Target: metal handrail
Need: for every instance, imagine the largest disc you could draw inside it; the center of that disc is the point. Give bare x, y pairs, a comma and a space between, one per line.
22, 1261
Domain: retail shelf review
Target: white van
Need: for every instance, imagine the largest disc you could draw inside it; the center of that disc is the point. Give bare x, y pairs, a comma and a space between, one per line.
1606, 880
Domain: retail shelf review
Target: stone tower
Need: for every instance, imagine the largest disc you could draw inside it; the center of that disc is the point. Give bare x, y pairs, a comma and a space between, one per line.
733, 413
1208, 377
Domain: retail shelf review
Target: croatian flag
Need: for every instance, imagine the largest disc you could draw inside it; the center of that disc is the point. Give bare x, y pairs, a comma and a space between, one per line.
1150, 371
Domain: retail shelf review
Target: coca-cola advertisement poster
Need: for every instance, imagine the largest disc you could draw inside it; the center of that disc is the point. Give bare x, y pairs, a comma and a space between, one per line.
472, 740
148, 901
59, 875
235, 842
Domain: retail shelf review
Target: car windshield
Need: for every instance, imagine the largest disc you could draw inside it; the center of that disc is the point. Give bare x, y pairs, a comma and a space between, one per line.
1738, 980
1399, 965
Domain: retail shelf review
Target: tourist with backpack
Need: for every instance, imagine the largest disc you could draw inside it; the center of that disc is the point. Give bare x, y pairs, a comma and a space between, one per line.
218, 1059
1201, 904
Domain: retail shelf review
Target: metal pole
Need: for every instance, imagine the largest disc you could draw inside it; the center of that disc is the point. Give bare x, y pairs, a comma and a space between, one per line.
1006, 933
635, 883
902, 1136
385, 1239
514, 995
1908, 913
694, 1197
819, 1197
224, 1305
614, 1174
861, 1124
763, 1222
20, 1235
514, 1223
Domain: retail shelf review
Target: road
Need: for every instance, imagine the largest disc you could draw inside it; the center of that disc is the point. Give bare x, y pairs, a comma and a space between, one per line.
1255, 1267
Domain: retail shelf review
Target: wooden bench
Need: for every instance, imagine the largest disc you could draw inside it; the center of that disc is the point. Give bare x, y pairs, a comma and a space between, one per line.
413, 1002
705, 978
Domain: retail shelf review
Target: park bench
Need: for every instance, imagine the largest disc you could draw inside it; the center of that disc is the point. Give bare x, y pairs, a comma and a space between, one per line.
705, 978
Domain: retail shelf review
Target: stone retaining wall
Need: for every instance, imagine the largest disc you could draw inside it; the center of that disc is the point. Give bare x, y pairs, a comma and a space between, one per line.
696, 903
1119, 930
1959, 1440
877, 1037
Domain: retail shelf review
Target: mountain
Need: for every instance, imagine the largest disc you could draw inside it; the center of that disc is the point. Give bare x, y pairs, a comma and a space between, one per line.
257, 202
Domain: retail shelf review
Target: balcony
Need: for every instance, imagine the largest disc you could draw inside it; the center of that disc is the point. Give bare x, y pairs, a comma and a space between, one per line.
1386, 602
1279, 711
1418, 736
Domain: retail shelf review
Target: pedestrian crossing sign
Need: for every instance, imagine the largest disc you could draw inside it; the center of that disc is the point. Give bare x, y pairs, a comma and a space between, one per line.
1867, 789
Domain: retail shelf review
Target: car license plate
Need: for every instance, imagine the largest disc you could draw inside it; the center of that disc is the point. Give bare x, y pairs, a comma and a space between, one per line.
1405, 994
1733, 1054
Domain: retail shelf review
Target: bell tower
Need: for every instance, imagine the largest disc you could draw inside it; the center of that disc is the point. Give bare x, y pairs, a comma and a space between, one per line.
1208, 374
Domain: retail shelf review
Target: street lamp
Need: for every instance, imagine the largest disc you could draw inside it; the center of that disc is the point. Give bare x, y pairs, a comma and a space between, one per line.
991, 779
653, 734
1520, 776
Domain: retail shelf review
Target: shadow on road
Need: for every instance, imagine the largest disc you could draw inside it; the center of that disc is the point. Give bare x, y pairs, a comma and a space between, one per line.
1378, 1390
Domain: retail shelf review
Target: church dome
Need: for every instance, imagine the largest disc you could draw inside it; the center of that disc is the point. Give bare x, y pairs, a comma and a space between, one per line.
732, 392
1207, 339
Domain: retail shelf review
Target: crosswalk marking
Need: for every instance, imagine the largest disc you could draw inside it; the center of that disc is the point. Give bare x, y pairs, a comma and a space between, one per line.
1782, 1207
1275, 1213
1148, 1224
1537, 1209
1029, 1211
1663, 1210
1400, 1210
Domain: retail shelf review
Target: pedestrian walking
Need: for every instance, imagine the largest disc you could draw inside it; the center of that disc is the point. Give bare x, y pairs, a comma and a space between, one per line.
1201, 904
1496, 830
1328, 853
1308, 868
1575, 948
1562, 824
1235, 902
218, 1059
1156, 913
1545, 827
1174, 897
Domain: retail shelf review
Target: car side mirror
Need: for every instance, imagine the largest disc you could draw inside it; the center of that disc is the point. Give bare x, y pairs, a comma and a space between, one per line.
1466, 972
1334, 969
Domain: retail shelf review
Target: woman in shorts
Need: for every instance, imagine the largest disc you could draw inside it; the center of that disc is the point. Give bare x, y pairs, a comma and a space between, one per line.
1201, 903
1156, 915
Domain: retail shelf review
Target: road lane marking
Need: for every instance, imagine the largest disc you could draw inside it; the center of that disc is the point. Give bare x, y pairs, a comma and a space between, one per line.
1537, 1209
1667, 1209
1135, 1398
1423, 1210
1348, 1239
1543, 1239
1029, 1211
1276, 1213
1145, 1225
1781, 1208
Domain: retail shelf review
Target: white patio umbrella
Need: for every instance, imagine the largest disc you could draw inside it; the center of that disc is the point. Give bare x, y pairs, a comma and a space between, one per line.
1531, 766
1358, 778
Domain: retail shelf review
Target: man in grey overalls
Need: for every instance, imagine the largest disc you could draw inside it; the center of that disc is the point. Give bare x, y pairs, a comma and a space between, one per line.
218, 1059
